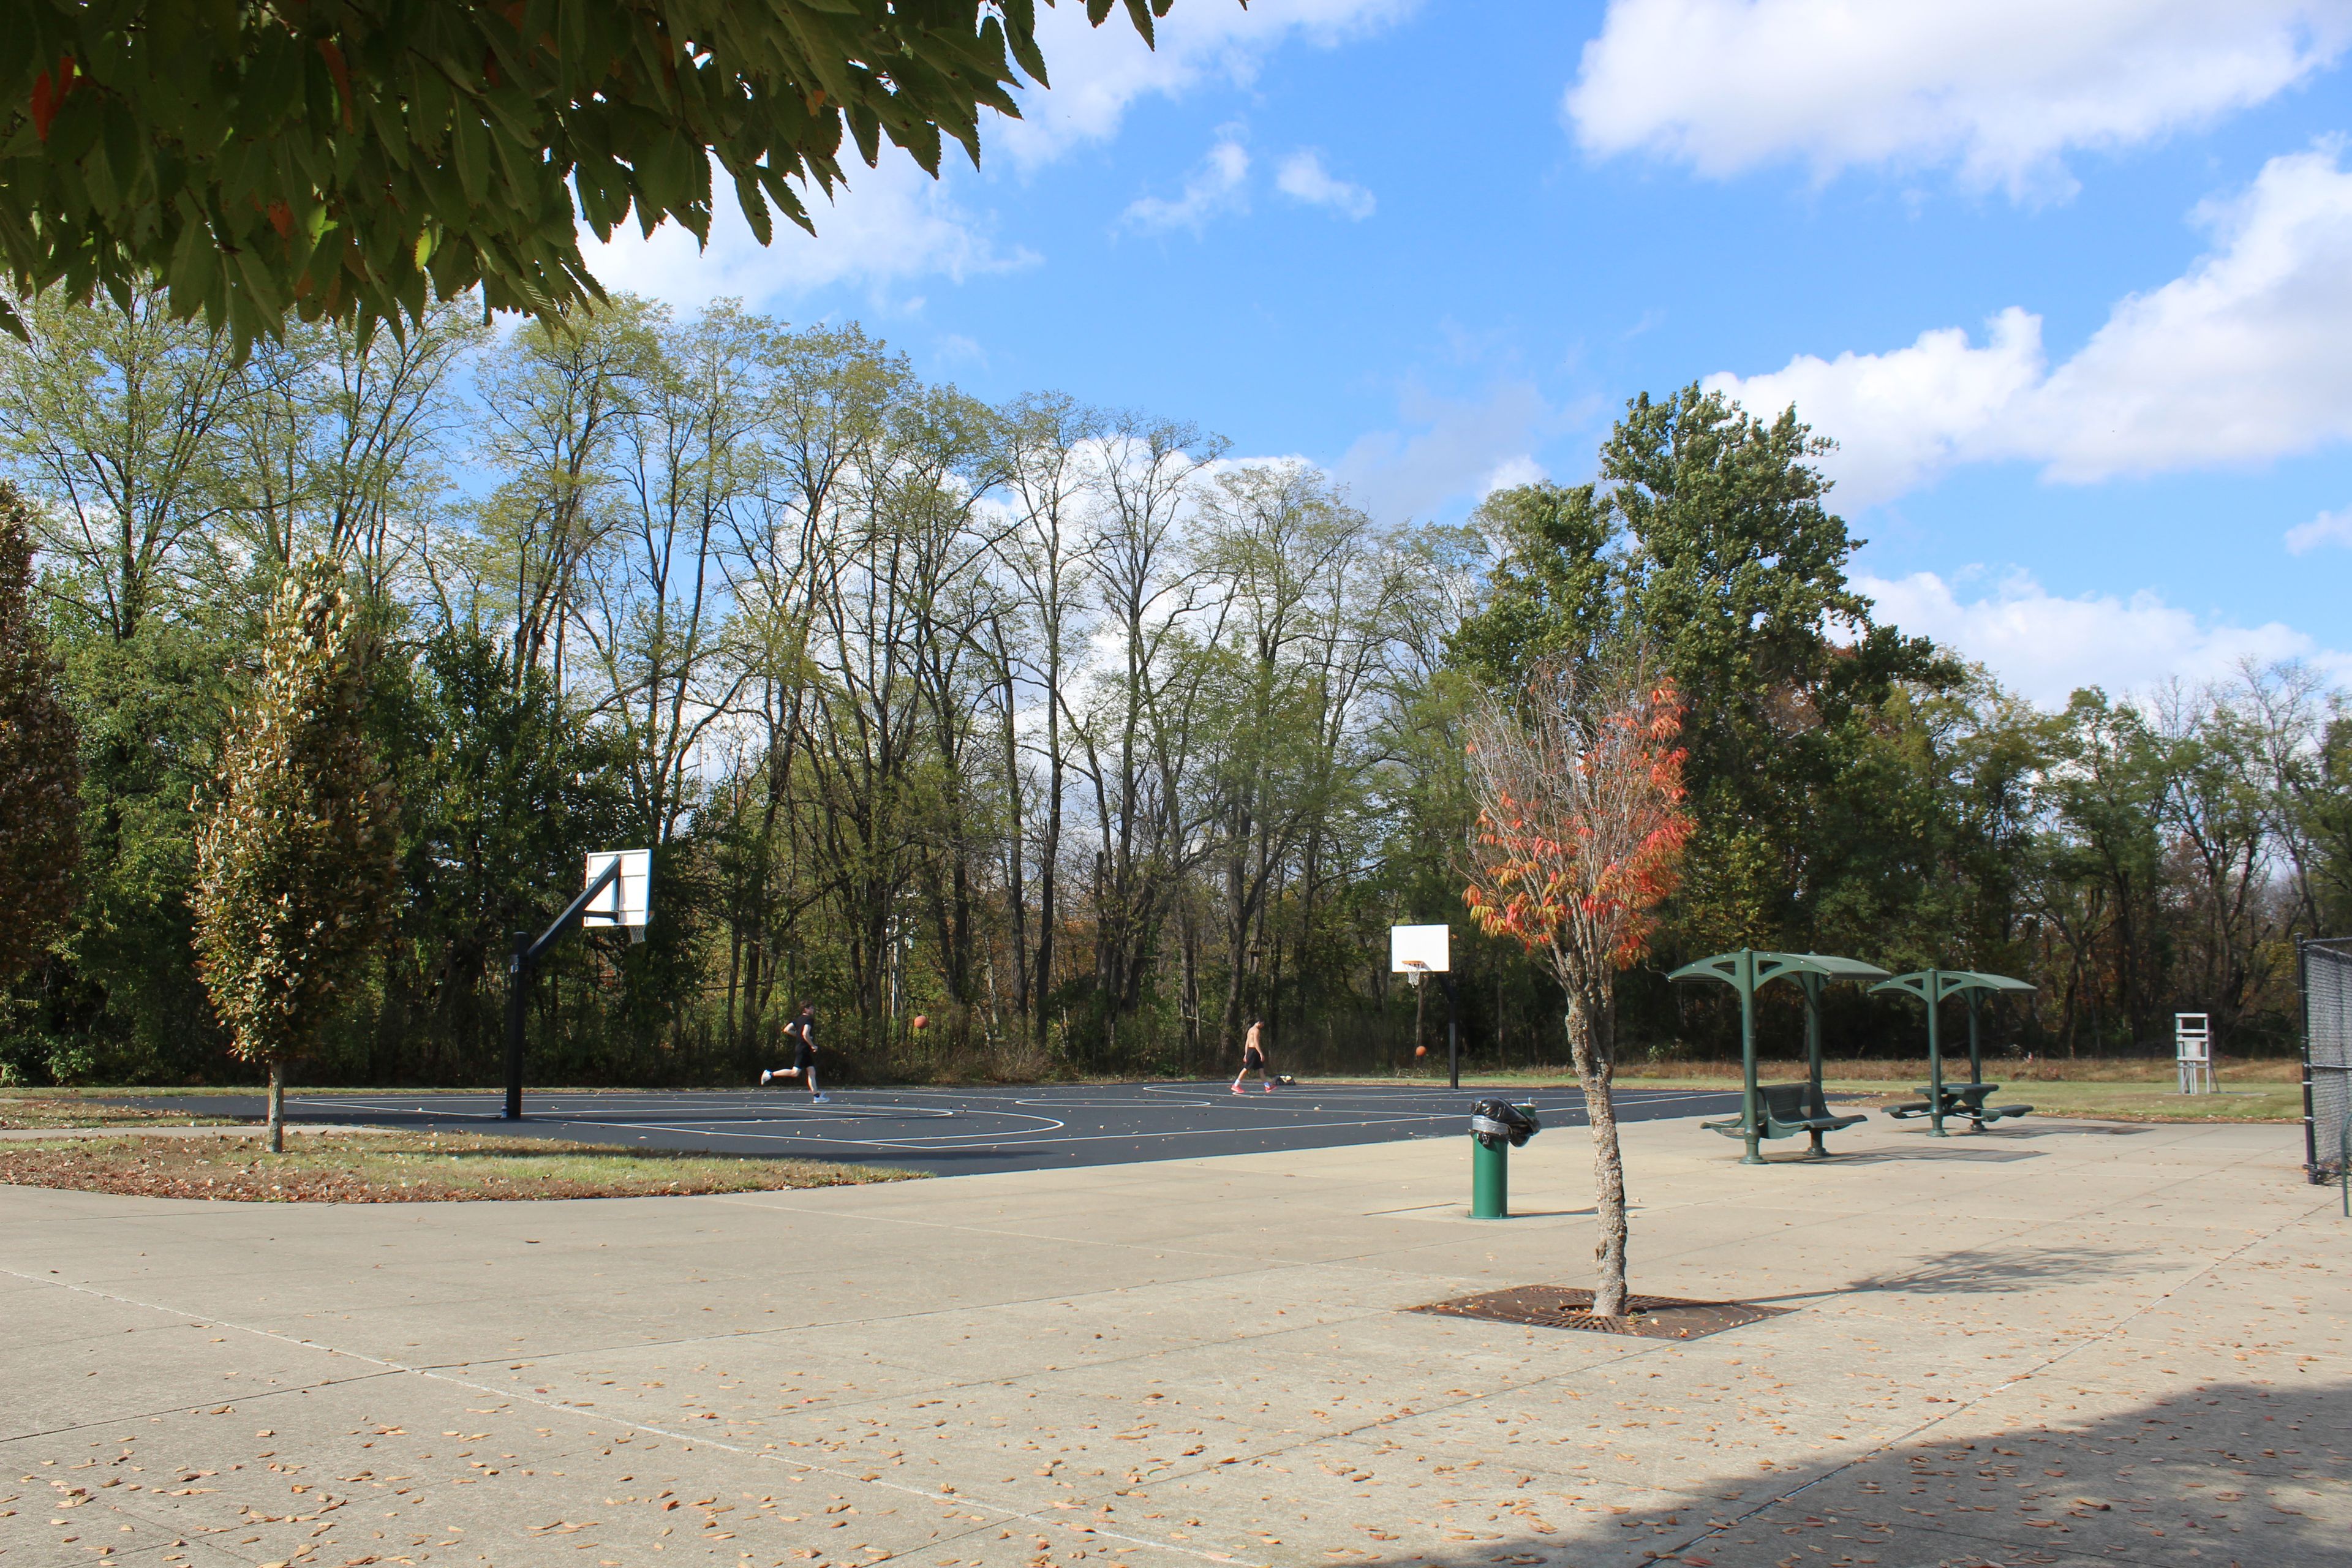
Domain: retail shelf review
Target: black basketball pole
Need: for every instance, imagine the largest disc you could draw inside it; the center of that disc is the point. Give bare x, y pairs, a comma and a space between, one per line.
516, 982
525, 962
1452, 1037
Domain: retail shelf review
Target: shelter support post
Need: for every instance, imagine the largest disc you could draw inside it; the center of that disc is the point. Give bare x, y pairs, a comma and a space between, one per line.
1934, 1056
1751, 1100
1811, 986
1976, 1049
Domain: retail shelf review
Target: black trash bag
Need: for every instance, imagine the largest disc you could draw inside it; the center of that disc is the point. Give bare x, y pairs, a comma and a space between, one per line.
1497, 1121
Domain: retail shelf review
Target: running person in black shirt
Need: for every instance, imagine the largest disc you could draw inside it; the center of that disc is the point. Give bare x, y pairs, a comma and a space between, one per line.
801, 1031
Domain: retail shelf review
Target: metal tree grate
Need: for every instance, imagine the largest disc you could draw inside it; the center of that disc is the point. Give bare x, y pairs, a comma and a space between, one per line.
1648, 1317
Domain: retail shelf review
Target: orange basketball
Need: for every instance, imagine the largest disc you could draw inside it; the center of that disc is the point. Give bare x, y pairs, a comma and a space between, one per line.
1421, 1050
921, 1022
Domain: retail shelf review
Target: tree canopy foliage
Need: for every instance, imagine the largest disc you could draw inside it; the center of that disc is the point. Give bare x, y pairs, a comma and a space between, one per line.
1050, 722
40, 765
1579, 838
350, 160
295, 881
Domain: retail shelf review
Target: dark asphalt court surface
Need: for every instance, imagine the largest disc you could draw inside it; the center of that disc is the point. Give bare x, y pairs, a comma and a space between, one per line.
955, 1132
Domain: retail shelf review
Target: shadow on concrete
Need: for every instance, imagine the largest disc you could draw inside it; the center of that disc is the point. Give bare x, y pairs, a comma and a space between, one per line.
2226, 1476
1995, 1270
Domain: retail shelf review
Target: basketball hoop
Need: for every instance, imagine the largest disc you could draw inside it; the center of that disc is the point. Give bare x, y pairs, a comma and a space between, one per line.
1419, 950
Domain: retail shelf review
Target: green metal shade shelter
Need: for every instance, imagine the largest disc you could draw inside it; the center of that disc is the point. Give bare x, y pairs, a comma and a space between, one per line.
1934, 986
1747, 970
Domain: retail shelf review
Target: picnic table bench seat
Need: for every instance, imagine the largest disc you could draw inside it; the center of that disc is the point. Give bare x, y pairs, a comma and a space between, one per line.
1959, 1100
1788, 1109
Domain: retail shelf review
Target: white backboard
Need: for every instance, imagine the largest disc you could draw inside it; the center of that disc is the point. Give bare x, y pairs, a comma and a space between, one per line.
630, 897
1432, 946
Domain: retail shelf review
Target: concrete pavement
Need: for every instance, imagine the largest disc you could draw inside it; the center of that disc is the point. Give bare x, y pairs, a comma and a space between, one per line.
2061, 1344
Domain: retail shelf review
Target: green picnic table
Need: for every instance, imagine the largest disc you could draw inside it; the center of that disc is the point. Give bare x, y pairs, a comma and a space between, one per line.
1940, 1099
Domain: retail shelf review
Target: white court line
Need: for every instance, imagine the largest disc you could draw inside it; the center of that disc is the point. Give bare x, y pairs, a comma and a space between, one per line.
512, 1395
691, 1129
918, 1145
1017, 1143
557, 1110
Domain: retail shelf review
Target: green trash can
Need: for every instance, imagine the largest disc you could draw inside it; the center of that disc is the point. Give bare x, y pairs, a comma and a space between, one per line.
1497, 1127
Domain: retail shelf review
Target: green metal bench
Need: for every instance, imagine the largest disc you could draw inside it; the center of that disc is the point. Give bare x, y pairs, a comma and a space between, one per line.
1788, 1109
1959, 1100
1778, 1110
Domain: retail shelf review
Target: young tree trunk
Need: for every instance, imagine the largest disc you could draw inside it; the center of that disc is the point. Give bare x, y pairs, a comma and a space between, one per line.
1591, 1031
277, 1106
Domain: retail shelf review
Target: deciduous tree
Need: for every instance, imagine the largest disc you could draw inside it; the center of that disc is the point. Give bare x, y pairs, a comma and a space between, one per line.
295, 860
1581, 830
340, 159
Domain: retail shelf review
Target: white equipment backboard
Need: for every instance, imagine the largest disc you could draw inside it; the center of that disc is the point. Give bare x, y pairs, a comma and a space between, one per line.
629, 898
1420, 949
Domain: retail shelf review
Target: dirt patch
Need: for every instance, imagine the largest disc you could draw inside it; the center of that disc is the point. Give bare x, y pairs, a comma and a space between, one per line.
376, 1168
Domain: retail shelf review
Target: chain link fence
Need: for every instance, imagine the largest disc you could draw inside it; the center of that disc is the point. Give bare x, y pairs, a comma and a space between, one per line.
2326, 968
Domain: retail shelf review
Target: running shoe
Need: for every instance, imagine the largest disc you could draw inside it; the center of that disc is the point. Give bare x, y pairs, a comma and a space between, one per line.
821, 1100
764, 1076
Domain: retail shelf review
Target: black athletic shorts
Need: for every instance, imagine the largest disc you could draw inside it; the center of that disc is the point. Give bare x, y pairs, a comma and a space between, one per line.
1252, 1059
803, 1056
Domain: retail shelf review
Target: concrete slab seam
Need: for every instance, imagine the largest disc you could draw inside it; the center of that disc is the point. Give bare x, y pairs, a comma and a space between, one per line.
689, 1439
208, 1404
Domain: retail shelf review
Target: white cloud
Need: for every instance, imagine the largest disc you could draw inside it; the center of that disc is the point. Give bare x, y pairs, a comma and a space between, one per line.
1511, 473
2046, 646
1902, 416
2002, 87
1461, 451
1302, 177
1213, 187
2327, 528
2238, 361
893, 225
1100, 71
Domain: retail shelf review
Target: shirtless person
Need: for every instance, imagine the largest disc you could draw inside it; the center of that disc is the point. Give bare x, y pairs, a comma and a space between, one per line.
1253, 1059
802, 1032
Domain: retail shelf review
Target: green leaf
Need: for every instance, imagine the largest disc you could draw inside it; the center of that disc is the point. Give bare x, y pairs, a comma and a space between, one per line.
755, 208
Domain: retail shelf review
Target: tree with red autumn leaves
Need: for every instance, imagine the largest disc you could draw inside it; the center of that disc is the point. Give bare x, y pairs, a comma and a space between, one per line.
1578, 782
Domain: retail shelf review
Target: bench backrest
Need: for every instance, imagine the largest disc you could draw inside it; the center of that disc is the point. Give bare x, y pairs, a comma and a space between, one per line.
1787, 1102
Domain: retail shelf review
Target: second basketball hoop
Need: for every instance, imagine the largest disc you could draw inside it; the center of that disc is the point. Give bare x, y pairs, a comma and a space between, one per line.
1421, 951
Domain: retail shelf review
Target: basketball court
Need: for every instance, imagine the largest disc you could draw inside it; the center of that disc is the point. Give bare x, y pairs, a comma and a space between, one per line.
969, 1130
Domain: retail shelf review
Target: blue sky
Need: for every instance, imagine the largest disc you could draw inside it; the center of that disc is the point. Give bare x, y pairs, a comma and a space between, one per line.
2071, 285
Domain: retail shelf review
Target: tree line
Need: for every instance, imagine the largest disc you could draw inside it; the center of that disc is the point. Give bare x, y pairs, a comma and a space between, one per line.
1059, 728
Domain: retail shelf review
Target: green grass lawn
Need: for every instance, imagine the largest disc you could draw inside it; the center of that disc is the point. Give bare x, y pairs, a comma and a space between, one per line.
2270, 1090
2125, 1101
400, 1167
